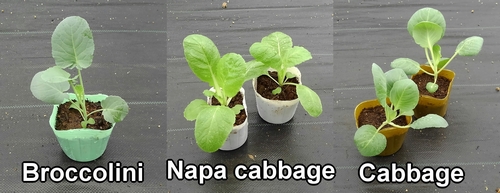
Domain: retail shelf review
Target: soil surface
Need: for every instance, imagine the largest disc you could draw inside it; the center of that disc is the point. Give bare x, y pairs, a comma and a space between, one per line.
236, 100
376, 116
266, 85
67, 118
422, 79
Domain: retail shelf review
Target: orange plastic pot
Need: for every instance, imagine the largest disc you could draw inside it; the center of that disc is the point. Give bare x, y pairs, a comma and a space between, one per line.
395, 136
431, 105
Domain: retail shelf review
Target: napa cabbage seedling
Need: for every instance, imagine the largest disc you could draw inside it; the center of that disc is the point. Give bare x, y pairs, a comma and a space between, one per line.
73, 48
276, 51
226, 75
403, 95
427, 26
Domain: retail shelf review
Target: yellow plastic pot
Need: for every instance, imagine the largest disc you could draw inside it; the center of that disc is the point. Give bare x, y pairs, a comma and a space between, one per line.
395, 136
431, 105
82, 145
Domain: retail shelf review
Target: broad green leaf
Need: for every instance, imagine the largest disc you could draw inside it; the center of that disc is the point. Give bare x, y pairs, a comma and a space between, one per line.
380, 84
368, 141
254, 69
201, 55
296, 55
73, 43
436, 51
55, 74
114, 109
309, 100
276, 91
208, 93
442, 63
52, 93
266, 54
404, 95
194, 108
279, 41
426, 34
471, 46
431, 87
409, 66
390, 114
394, 75
230, 73
237, 108
430, 120
213, 126
427, 14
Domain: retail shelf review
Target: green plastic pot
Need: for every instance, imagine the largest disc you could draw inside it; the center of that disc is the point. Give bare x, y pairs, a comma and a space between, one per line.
82, 145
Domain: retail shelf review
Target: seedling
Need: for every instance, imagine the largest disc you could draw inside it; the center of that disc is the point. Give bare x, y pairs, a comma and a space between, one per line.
403, 95
276, 51
226, 75
427, 26
73, 47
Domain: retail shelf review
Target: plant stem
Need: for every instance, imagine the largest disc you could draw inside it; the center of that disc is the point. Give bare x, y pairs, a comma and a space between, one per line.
82, 99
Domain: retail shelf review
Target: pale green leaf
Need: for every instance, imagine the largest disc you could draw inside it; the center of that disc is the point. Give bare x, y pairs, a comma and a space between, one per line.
407, 113
368, 141
436, 51
213, 126
201, 55
404, 95
290, 75
309, 100
73, 43
426, 34
276, 91
254, 69
52, 93
208, 93
114, 109
431, 87
442, 63
380, 83
237, 108
427, 14
393, 76
194, 108
266, 54
230, 73
295, 56
55, 74
428, 121
471, 46
409, 66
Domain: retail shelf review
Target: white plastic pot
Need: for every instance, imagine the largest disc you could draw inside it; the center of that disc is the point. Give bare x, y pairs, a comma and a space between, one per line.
239, 134
275, 111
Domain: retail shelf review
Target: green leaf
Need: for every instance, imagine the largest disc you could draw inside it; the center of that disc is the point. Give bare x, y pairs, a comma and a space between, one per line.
431, 87
309, 100
213, 126
73, 43
296, 55
380, 84
404, 95
55, 74
430, 120
471, 46
276, 91
230, 73
368, 141
442, 63
255, 69
237, 108
91, 121
194, 108
426, 34
407, 113
290, 75
426, 14
114, 109
51, 93
266, 54
390, 114
201, 55
393, 76
409, 66
208, 93
436, 50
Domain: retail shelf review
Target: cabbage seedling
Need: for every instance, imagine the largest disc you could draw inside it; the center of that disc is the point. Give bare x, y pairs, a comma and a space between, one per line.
73, 48
403, 94
276, 51
226, 75
427, 26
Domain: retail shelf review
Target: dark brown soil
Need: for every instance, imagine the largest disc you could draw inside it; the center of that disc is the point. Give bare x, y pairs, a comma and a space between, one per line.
67, 118
376, 116
237, 100
266, 85
422, 79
